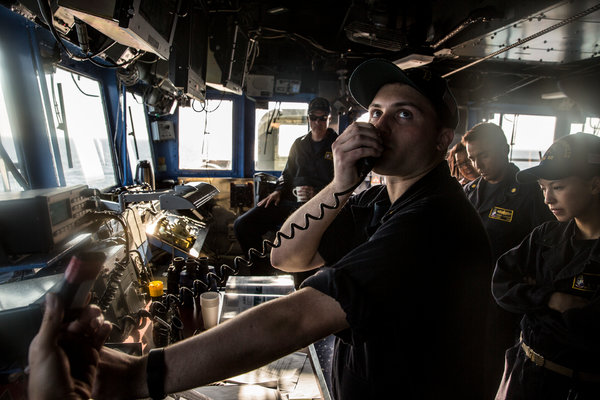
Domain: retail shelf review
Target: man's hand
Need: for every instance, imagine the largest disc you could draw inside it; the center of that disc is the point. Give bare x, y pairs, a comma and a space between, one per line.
120, 376
63, 359
562, 302
359, 140
273, 198
304, 193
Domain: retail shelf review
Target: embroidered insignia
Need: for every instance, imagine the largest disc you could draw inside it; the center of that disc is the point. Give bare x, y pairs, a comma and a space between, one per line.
501, 214
586, 282
329, 155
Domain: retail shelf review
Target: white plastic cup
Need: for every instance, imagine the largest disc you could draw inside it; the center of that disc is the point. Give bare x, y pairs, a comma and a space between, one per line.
209, 304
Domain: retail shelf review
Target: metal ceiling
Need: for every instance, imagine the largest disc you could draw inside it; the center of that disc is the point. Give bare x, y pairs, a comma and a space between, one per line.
574, 38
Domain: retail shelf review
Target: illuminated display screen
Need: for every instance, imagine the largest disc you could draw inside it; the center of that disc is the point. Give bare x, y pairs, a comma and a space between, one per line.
60, 211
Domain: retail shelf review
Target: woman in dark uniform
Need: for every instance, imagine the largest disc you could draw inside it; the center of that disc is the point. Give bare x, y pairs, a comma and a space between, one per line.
553, 278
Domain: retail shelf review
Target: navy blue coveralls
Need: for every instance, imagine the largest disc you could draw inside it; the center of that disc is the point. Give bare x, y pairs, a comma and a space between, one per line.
309, 163
509, 211
416, 306
551, 260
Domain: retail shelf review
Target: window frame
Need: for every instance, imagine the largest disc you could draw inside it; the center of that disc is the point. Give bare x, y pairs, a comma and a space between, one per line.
51, 128
516, 114
238, 134
276, 145
148, 131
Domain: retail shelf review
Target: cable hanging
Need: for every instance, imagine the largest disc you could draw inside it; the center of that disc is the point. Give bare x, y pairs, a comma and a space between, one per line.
226, 270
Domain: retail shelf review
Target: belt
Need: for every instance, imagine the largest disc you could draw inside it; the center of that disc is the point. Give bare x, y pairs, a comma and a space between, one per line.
540, 361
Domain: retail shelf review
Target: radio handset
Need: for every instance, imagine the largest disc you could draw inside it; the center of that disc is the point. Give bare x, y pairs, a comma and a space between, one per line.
365, 165
78, 280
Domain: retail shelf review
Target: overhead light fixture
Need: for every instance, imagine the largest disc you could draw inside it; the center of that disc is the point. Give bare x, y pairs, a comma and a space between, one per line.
554, 96
413, 61
277, 10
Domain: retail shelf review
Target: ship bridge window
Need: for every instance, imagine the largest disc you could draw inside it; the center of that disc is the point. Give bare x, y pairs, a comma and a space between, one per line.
529, 136
79, 132
277, 127
138, 136
8, 153
206, 136
591, 125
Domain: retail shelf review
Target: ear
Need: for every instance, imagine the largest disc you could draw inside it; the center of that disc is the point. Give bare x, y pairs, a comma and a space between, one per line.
444, 139
595, 185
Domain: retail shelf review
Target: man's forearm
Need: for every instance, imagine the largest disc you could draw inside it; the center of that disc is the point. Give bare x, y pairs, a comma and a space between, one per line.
250, 340
301, 252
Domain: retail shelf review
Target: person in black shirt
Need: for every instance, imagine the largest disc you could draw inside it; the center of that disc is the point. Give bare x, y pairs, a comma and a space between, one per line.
553, 278
309, 169
509, 211
405, 307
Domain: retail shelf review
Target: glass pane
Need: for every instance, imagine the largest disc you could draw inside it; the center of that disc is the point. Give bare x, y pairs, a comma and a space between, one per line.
7, 180
531, 135
206, 137
138, 136
495, 119
81, 129
276, 129
287, 136
591, 125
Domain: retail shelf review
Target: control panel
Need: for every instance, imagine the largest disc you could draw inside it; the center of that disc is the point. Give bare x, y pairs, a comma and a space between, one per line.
34, 221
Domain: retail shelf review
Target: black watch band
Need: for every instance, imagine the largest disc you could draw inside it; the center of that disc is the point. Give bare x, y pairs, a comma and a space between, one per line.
155, 374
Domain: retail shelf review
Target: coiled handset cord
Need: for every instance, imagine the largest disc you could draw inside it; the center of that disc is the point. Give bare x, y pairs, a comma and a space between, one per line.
364, 167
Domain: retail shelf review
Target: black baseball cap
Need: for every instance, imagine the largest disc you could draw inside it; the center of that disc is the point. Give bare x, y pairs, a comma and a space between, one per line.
371, 75
319, 104
571, 155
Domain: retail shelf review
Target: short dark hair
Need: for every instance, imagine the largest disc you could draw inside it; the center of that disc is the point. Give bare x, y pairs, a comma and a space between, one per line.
486, 131
451, 158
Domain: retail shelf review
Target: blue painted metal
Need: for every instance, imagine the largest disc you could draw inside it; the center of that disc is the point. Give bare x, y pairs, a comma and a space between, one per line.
246, 141
25, 107
127, 175
23, 41
48, 110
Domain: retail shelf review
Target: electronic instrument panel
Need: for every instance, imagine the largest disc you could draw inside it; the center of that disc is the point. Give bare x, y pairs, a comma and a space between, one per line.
34, 221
